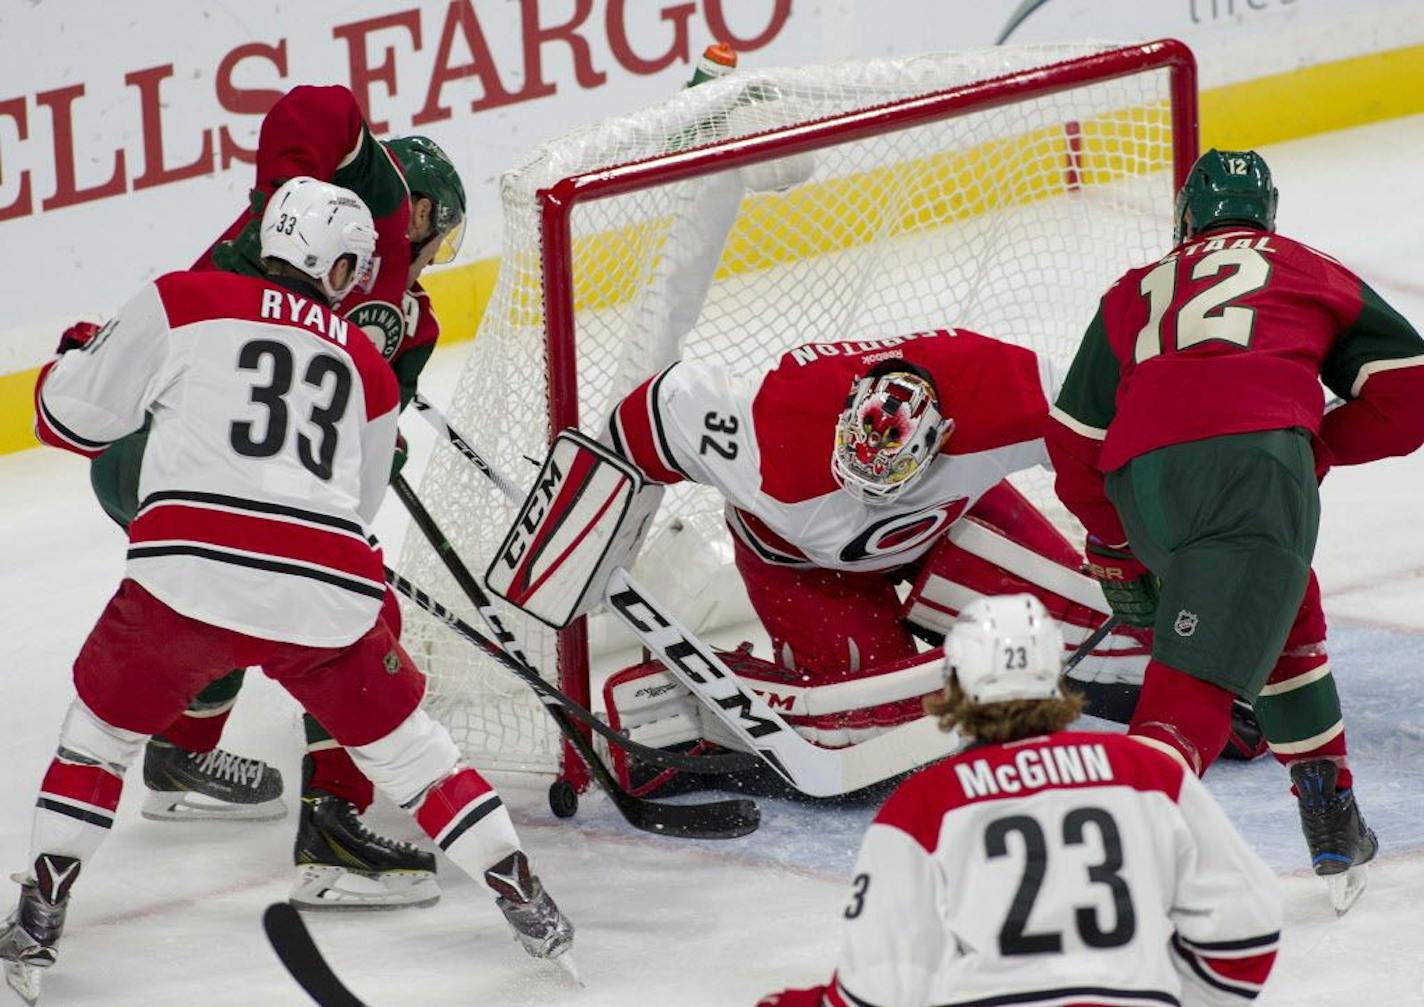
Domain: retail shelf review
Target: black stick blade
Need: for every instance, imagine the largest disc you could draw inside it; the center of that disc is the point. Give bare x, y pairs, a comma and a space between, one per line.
717, 820
294, 945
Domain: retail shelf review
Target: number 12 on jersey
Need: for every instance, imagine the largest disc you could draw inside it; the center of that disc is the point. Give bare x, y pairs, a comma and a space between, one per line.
1209, 314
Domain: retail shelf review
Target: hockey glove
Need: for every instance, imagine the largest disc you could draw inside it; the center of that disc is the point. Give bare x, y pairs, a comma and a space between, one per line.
1130, 588
77, 336
398, 460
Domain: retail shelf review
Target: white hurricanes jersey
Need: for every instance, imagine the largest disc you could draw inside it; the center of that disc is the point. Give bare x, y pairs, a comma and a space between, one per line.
1074, 868
273, 429
766, 446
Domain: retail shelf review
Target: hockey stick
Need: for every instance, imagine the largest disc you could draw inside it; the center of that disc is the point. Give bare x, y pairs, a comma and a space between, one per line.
714, 820
1086, 647
294, 946
508, 653
816, 771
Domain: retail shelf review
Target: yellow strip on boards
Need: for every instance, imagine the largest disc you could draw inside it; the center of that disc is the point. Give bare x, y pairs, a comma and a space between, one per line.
1287, 106
17, 411
1314, 99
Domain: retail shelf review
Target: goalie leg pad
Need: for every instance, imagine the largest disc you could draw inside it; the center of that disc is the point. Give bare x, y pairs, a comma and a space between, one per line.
974, 560
653, 708
827, 624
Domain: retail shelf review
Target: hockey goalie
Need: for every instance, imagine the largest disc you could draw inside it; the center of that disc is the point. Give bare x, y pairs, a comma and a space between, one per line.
850, 471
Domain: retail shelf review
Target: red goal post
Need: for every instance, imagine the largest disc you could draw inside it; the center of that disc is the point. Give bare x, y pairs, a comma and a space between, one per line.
592, 262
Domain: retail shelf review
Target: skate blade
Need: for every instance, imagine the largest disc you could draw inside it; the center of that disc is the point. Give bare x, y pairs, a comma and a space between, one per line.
324, 888
185, 806
565, 961
1347, 887
24, 980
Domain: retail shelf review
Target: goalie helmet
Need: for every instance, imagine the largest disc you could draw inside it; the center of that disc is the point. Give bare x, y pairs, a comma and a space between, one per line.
311, 225
430, 173
889, 432
1005, 647
1224, 187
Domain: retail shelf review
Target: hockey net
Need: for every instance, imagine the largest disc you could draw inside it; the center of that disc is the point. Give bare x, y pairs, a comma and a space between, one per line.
1000, 190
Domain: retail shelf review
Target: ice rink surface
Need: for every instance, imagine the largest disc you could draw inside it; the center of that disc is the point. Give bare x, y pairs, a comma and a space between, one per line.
168, 913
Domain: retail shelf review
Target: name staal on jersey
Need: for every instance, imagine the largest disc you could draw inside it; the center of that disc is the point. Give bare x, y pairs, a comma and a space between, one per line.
274, 425
1075, 869
766, 445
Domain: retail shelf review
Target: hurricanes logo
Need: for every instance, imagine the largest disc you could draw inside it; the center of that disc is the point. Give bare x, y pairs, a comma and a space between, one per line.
1186, 623
383, 324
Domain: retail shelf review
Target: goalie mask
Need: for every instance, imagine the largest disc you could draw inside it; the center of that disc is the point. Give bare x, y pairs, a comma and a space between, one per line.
1005, 647
889, 432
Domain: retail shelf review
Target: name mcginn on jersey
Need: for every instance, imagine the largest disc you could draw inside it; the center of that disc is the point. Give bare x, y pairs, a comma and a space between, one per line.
1033, 768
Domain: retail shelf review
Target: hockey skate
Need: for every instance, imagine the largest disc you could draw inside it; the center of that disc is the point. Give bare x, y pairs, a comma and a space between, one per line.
539, 927
185, 786
341, 864
30, 938
1340, 842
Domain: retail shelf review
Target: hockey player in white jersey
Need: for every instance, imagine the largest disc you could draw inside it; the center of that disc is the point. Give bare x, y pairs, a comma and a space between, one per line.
274, 427
1043, 866
848, 468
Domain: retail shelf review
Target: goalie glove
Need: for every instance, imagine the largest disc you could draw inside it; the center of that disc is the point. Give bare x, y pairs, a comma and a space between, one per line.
1130, 588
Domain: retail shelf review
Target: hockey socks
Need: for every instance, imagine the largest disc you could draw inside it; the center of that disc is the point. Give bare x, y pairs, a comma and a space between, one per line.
1299, 711
465, 817
81, 788
330, 769
1183, 716
200, 727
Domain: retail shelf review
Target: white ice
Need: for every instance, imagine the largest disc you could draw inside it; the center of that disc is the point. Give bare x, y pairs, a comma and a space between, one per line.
168, 913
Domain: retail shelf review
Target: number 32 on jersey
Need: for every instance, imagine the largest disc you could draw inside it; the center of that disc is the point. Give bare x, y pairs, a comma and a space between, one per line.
1210, 314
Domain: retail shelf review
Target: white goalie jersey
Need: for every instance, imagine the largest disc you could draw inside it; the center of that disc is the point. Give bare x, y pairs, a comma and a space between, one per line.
766, 445
1073, 868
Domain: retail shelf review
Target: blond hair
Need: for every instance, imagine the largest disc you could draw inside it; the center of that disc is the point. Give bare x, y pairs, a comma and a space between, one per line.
1001, 722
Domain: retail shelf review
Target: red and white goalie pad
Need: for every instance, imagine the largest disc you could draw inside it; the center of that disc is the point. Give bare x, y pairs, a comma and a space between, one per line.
975, 560
587, 514
652, 707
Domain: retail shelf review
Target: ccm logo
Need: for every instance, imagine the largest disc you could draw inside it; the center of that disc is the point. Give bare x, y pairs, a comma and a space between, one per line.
903, 532
531, 515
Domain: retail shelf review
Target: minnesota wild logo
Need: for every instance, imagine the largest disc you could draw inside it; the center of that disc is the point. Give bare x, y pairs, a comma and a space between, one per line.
383, 324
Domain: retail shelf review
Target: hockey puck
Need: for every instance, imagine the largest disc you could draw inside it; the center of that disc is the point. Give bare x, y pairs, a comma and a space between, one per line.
563, 799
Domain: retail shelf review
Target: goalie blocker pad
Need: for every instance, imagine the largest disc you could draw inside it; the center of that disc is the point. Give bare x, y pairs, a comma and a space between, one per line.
587, 513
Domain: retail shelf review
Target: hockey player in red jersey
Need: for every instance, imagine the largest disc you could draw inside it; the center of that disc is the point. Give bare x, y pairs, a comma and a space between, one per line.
418, 203
846, 469
972, 882
1189, 437
273, 427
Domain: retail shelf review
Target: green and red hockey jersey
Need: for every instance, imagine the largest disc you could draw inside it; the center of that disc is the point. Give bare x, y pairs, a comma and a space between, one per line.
1234, 331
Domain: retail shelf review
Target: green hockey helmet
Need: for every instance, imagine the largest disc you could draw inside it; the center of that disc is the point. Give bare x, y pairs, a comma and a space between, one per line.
430, 173
1226, 186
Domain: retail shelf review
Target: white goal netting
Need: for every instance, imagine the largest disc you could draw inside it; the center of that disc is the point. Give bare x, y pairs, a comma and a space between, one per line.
1009, 217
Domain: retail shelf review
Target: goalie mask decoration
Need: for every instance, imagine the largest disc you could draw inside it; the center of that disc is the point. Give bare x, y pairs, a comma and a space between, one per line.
889, 432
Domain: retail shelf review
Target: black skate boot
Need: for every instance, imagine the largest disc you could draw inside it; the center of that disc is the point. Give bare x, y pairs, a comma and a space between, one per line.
30, 937
341, 864
1340, 842
208, 785
538, 925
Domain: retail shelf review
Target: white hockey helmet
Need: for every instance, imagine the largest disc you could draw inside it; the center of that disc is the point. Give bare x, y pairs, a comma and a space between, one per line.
889, 432
310, 224
1005, 647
